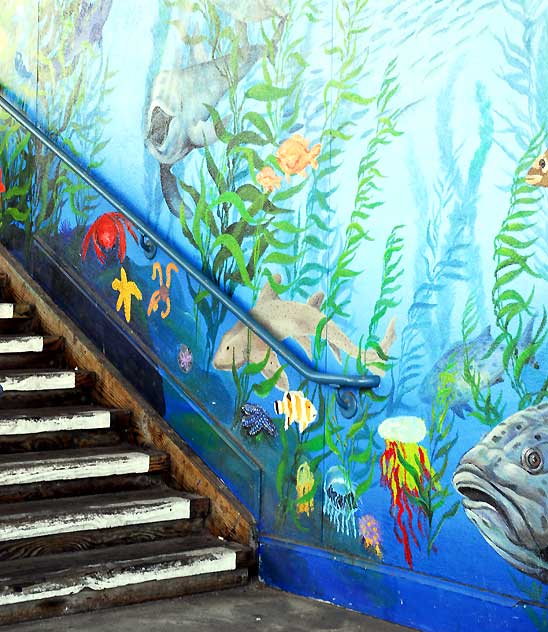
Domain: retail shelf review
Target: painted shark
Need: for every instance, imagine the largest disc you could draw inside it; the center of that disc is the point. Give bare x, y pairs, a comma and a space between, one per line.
290, 319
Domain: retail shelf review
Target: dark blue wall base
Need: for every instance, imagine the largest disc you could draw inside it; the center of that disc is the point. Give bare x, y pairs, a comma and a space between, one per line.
393, 594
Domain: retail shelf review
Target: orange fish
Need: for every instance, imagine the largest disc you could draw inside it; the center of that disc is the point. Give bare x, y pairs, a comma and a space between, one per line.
294, 156
2, 185
268, 179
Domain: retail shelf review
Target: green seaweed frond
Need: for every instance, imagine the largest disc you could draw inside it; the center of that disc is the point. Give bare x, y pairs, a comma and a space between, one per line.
514, 247
487, 410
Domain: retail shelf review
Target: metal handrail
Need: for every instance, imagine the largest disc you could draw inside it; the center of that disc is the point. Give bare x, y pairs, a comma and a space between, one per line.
330, 379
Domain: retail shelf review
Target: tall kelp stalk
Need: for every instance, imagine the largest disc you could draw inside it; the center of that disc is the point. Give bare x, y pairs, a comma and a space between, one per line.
460, 243
17, 156
73, 80
514, 305
415, 337
237, 228
534, 593
432, 491
366, 200
520, 244
489, 410
445, 258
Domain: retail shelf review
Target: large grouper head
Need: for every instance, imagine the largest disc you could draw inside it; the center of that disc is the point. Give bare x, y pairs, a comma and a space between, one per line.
504, 484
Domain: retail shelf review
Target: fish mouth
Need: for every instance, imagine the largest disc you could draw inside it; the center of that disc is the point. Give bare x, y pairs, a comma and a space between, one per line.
500, 520
159, 126
533, 178
483, 501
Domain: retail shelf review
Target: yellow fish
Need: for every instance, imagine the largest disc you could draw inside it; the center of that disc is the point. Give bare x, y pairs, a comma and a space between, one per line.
297, 409
305, 483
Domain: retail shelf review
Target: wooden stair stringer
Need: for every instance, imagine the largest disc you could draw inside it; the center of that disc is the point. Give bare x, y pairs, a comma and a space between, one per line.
228, 518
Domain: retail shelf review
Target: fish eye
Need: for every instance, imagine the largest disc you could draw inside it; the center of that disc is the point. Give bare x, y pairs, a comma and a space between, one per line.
542, 163
532, 460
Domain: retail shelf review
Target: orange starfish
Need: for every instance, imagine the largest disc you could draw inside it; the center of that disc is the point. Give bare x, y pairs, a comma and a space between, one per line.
163, 293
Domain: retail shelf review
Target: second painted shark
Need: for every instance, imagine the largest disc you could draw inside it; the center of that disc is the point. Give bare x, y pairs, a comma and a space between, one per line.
290, 319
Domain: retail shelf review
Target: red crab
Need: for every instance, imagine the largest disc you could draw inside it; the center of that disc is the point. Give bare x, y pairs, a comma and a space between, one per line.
106, 231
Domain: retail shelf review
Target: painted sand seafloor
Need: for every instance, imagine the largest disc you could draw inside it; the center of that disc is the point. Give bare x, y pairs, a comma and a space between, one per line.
369, 180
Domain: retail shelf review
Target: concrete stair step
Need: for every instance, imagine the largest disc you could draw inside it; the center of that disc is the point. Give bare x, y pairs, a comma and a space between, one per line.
33, 467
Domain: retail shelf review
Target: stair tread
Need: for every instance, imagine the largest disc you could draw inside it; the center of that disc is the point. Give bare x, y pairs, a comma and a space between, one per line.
47, 412
14, 336
44, 380
76, 453
30, 570
23, 468
14, 372
20, 310
69, 504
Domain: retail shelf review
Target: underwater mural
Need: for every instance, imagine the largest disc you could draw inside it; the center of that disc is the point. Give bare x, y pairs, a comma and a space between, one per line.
367, 179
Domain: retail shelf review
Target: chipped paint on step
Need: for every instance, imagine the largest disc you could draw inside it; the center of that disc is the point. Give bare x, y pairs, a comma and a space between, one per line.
73, 467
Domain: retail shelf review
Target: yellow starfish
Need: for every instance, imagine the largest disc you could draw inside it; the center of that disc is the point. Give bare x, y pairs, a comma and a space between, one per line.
126, 289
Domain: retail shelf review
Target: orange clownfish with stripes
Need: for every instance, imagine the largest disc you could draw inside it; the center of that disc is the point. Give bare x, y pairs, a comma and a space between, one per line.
297, 409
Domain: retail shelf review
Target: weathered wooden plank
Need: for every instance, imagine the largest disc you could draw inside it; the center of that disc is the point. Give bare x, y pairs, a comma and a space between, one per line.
87, 600
114, 573
79, 487
73, 464
50, 357
58, 440
22, 320
95, 539
44, 379
34, 343
45, 420
104, 511
80, 396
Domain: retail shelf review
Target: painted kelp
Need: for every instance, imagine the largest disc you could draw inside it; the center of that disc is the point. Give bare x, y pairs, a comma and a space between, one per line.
321, 172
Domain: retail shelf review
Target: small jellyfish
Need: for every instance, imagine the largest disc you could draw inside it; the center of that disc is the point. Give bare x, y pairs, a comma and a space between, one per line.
184, 357
339, 501
370, 533
403, 452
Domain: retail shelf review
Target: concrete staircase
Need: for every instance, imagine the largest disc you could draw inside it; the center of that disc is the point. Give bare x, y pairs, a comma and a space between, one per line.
88, 519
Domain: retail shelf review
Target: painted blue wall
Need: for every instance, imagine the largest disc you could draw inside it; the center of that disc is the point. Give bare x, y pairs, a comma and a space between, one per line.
375, 166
